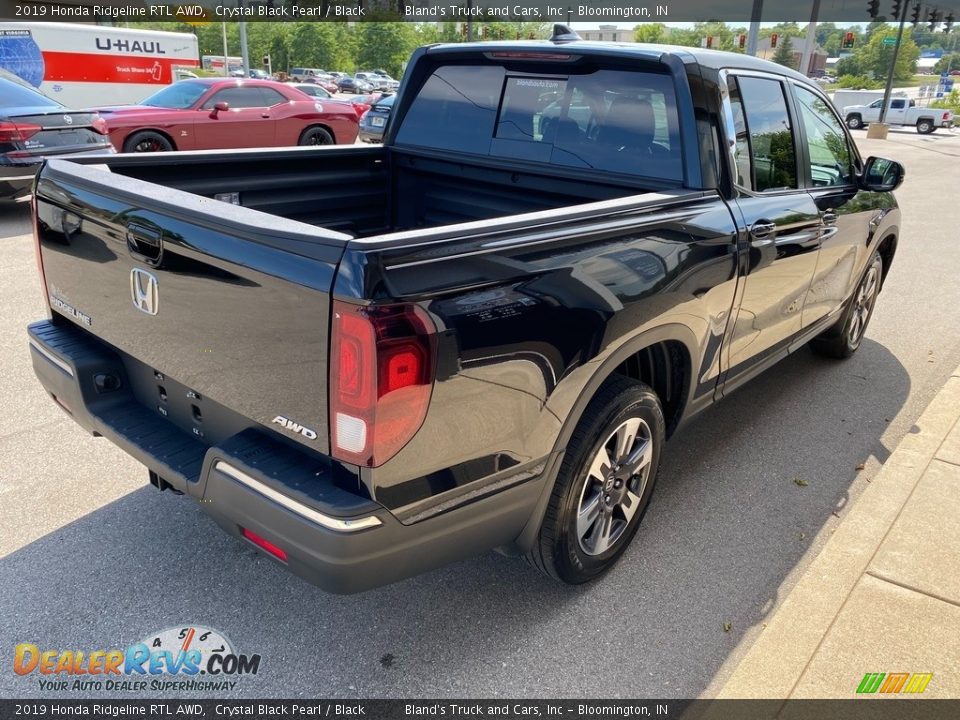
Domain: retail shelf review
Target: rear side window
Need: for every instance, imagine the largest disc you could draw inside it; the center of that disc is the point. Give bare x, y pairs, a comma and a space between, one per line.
13, 95
611, 120
238, 97
766, 155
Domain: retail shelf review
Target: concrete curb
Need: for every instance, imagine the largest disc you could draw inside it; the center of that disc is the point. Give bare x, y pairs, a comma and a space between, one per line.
774, 665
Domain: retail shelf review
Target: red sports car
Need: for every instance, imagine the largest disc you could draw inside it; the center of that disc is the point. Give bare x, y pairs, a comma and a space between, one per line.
212, 113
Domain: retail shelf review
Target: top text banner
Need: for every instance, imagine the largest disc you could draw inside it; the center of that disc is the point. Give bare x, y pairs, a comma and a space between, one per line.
532, 11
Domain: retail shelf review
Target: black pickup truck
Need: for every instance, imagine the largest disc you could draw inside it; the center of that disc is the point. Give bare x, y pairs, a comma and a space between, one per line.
370, 361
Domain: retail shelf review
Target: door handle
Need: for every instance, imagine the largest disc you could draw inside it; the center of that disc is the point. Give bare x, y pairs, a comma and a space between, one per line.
762, 232
829, 218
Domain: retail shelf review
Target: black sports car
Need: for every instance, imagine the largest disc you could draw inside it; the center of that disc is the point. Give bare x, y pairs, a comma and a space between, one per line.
34, 127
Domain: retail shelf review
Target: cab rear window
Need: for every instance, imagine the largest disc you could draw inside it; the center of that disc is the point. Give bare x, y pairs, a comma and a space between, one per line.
611, 120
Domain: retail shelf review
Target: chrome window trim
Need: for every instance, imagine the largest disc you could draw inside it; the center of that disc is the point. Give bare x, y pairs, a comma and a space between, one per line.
731, 129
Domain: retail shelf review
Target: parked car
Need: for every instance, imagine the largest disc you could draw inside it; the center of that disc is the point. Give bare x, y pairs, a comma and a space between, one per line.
900, 111
313, 90
33, 127
378, 82
318, 93
302, 74
374, 121
324, 81
213, 113
258, 74
354, 85
387, 358
365, 102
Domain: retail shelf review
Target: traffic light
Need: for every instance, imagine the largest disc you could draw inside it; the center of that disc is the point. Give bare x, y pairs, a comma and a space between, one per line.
463, 30
848, 41
742, 41
773, 40
486, 32
917, 13
873, 7
897, 7
500, 34
933, 20
266, 60
709, 41
949, 26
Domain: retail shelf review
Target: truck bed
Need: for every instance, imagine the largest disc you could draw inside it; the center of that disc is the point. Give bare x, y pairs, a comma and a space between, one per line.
364, 191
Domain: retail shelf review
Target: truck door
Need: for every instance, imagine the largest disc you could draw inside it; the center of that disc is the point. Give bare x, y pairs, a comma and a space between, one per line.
897, 112
828, 159
781, 222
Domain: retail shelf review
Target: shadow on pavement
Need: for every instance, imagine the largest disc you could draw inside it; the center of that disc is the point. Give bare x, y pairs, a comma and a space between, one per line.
728, 524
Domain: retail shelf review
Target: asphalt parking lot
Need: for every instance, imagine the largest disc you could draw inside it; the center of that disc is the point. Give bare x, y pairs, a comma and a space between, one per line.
91, 557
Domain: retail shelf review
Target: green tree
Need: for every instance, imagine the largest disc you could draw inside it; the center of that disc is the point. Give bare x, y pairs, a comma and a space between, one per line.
947, 63
784, 53
384, 45
874, 57
651, 32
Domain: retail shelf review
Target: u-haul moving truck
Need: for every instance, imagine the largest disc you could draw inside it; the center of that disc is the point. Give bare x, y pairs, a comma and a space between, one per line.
94, 65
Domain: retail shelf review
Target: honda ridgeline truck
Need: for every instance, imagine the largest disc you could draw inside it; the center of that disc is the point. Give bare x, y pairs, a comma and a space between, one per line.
370, 361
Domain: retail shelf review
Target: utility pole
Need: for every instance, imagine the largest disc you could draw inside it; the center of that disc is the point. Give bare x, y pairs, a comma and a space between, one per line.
226, 54
753, 35
893, 63
811, 39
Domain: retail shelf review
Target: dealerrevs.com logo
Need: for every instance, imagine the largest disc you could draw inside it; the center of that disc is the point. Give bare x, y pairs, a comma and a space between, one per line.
176, 659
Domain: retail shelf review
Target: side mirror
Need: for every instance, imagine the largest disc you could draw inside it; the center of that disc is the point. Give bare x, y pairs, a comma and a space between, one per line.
881, 175
220, 107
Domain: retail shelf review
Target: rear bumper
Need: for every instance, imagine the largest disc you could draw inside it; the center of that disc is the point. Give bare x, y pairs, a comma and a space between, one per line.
332, 537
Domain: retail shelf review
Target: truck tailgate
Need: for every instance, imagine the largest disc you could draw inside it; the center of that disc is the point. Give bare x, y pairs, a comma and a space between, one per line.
230, 304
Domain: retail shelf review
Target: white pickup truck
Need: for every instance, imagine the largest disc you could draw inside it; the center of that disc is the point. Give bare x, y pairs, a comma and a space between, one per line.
901, 111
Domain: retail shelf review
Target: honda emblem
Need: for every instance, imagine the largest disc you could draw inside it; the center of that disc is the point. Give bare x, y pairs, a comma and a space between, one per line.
143, 289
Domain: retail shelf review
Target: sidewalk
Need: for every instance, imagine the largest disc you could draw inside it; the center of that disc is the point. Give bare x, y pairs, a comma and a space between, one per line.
883, 596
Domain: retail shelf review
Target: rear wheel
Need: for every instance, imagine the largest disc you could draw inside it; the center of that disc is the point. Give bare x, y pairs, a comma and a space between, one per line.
925, 127
147, 141
843, 339
604, 484
316, 136
854, 122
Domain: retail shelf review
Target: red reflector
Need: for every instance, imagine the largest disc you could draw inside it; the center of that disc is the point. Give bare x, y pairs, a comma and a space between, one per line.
12, 132
264, 544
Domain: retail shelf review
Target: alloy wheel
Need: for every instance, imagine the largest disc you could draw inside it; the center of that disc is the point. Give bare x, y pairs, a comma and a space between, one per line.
862, 306
614, 486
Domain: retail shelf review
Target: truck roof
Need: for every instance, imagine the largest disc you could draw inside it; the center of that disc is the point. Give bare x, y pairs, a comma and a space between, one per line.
716, 59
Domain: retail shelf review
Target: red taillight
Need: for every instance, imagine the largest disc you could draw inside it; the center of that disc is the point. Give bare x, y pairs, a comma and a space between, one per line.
264, 544
381, 376
17, 132
99, 125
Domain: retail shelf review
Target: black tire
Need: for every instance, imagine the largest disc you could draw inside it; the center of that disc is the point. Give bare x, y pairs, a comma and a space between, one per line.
842, 340
148, 141
925, 127
316, 136
562, 550
854, 122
